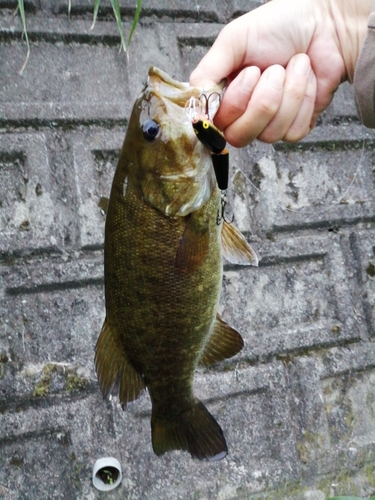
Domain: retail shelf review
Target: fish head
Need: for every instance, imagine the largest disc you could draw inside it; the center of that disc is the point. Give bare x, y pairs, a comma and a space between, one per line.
168, 164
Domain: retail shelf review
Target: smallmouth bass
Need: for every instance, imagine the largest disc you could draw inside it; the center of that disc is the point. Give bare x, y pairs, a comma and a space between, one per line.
163, 271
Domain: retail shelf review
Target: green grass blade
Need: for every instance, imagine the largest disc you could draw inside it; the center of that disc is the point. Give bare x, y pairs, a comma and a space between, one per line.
96, 9
135, 20
21, 8
116, 10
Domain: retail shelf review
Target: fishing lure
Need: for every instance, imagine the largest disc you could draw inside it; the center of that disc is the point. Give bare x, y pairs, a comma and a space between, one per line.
211, 137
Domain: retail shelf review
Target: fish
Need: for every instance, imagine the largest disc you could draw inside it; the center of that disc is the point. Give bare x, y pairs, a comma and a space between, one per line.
163, 271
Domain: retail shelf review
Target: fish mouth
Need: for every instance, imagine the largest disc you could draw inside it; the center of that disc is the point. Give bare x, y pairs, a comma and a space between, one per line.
165, 87
163, 77
181, 93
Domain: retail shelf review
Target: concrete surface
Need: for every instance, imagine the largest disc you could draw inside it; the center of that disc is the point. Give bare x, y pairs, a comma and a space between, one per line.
298, 404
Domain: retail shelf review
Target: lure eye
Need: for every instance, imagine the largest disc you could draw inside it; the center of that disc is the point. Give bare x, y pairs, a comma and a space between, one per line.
150, 130
209, 135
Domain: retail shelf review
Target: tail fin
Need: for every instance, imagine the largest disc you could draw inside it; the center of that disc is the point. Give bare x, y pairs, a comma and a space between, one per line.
195, 431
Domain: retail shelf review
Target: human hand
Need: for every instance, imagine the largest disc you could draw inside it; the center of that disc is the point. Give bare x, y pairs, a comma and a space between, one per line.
283, 62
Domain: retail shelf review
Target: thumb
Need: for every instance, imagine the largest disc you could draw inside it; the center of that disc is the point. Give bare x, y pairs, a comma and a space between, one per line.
224, 57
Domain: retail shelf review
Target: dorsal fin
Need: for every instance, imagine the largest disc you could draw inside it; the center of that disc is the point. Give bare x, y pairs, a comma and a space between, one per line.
235, 248
224, 343
113, 368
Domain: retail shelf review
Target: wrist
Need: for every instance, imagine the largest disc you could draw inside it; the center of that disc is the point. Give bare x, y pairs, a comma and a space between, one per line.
349, 18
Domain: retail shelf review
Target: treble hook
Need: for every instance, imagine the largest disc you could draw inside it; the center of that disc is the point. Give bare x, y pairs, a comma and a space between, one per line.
221, 212
207, 98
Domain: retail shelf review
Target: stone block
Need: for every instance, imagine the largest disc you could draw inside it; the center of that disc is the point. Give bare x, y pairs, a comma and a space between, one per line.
297, 298
332, 399
49, 449
95, 158
363, 247
194, 40
323, 181
241, 7
60, 84
50, 320
29, 219
178, 10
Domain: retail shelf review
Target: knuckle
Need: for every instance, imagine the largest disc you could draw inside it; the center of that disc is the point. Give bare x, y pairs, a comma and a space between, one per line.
295, 134
238, 138
268, 106
236, 107
269, 136
296, 90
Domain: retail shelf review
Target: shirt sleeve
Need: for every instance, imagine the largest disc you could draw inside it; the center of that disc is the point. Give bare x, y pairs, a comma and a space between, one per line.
364, 76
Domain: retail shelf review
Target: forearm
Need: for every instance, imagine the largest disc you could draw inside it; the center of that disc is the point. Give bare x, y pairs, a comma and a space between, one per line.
364, 75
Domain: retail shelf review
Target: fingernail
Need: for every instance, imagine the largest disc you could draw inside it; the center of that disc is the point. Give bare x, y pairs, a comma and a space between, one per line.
301, 65
275, 76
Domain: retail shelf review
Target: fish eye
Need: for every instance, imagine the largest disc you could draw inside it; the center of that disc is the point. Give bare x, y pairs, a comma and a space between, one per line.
150, 130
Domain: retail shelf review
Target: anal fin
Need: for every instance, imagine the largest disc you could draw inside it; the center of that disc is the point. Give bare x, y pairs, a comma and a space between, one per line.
223, 343
235, 248
114, 369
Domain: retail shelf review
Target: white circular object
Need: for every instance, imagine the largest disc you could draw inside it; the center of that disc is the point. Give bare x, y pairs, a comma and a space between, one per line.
104, 472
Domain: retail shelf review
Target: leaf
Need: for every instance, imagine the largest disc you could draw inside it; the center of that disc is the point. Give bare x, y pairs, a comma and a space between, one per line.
96, 8
135, 20
21, 8
116, 11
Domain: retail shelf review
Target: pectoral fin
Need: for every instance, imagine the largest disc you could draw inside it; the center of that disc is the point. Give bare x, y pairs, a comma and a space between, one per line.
193, 245
113, 368
235, 248
224, 343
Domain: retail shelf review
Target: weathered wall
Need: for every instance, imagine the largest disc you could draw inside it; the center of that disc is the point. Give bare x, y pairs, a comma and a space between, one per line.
298, 404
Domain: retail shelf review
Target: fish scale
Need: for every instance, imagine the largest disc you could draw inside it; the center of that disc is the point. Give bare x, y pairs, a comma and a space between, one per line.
156, 297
